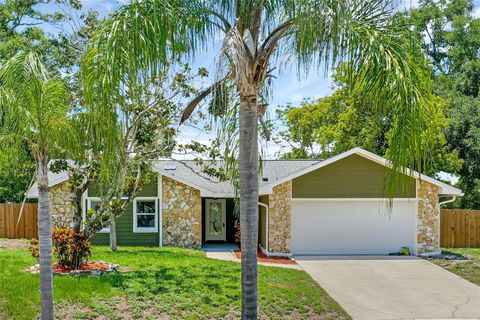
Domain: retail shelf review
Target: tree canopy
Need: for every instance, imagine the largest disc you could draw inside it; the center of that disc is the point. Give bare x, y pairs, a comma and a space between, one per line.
350, 118
449, 32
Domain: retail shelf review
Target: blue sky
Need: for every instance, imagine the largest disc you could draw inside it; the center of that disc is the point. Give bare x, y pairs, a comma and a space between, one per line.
287, 88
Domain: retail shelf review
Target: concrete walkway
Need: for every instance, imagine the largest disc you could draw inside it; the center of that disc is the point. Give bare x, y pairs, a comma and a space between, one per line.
394, 288
230, 256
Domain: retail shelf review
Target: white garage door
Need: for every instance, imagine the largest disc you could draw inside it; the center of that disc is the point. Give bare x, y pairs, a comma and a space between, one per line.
352, 226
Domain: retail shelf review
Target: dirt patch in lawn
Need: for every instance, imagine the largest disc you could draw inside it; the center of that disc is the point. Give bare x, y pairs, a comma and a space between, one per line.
13, 244
116, 308
73, 311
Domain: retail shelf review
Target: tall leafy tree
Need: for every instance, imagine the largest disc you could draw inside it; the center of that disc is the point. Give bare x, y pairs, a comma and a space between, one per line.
21, 28
15, 179
464, 134
35, 109
147, 115
257, 34
449, 32
349, 118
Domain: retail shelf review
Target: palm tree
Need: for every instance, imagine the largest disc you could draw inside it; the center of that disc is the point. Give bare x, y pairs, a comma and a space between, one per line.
257, 35
34, 108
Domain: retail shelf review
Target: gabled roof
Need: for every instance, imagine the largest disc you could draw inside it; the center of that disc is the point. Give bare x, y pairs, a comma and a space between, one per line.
189, 172
275, 172
445, 189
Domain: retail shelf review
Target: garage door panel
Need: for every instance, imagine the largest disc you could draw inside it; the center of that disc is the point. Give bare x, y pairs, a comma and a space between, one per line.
351, 227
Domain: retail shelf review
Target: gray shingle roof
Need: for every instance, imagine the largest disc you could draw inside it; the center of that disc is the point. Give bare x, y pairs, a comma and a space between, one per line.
53, 179
276, 171
190, 173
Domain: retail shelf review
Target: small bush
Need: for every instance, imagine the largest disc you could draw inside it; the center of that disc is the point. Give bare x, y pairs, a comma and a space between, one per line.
33, 248
70, 248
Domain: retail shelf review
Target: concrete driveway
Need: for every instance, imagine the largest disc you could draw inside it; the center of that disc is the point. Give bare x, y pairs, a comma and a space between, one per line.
394, 287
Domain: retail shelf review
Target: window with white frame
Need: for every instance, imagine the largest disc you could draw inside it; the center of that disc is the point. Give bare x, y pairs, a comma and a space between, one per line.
94, 203
145, 215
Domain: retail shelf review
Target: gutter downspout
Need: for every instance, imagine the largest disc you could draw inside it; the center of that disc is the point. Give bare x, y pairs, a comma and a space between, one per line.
448, 201
267, 236
266, 223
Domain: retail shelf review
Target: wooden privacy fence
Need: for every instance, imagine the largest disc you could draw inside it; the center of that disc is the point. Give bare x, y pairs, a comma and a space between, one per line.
27, 227
459, 228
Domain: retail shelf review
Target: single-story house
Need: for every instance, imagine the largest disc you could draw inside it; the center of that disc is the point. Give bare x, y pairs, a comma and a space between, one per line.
306, 207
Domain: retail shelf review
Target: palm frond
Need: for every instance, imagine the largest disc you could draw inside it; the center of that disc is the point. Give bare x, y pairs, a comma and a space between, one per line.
35, 107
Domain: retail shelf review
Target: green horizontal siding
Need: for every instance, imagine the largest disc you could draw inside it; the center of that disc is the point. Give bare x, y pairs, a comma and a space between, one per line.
148, 190
351, 177
125, 234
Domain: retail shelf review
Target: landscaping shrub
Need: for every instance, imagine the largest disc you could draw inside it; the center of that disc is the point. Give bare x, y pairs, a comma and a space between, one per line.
70, 248
33, 248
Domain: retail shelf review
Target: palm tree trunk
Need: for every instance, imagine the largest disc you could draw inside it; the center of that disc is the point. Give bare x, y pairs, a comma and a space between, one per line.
248, 155
113, 235
45, 240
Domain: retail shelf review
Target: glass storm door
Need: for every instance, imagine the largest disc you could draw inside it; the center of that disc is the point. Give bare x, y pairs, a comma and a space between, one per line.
215, 217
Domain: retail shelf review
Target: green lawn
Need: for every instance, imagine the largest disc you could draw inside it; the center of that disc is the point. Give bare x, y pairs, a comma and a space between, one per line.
161, 283
468, 269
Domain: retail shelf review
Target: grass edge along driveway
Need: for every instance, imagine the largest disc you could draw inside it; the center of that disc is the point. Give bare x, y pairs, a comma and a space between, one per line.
467, 269
162, 283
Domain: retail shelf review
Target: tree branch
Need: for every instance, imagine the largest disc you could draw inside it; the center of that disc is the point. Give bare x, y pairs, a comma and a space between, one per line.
194, 103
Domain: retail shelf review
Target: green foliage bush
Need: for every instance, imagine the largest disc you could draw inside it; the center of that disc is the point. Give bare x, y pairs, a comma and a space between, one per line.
33, 248
70, 248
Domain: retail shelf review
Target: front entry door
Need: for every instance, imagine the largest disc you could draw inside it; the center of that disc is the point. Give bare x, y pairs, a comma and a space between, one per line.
215, 217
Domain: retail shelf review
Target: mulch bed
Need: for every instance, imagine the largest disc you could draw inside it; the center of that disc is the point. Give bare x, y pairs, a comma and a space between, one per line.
264, 258
86, 268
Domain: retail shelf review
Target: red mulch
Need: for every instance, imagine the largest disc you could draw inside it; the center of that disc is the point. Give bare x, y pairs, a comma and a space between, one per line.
263, 258
85, 266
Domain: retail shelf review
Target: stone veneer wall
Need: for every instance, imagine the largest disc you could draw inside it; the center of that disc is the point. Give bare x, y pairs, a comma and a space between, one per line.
61, 205
182, 215
428, 222
279, 224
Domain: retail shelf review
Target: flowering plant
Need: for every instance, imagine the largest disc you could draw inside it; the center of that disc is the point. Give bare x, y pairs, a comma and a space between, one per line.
70, 248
